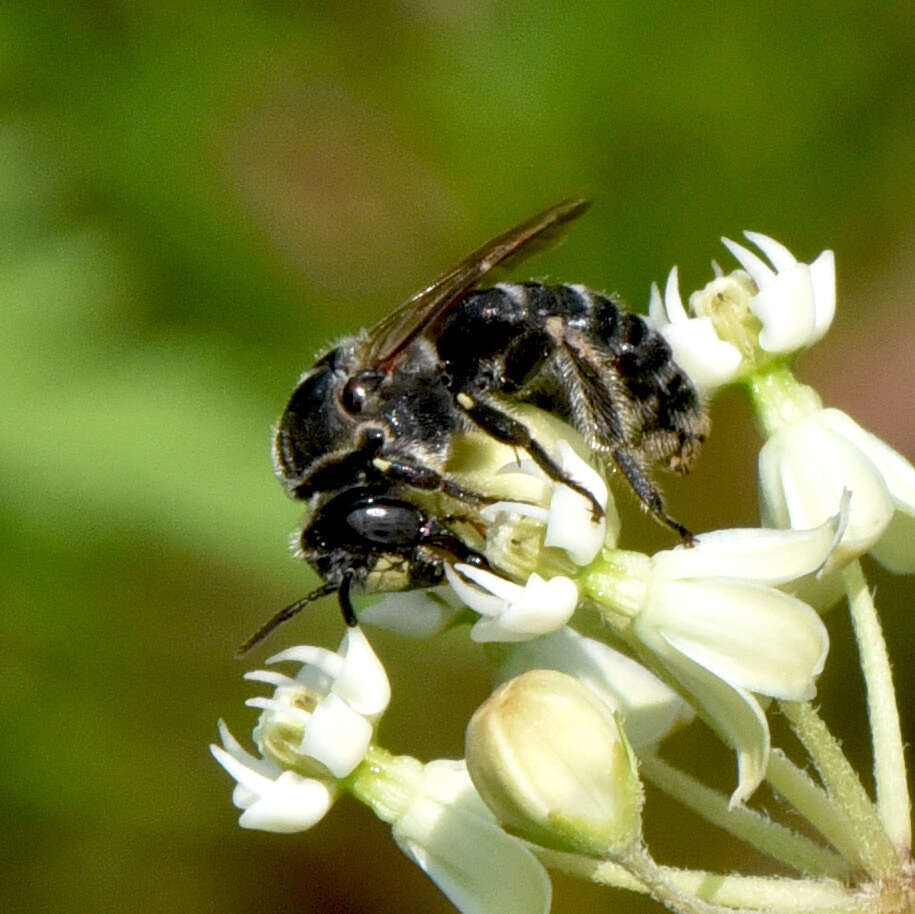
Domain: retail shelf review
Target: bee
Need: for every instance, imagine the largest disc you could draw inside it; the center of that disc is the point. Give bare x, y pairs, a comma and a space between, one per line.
372, 424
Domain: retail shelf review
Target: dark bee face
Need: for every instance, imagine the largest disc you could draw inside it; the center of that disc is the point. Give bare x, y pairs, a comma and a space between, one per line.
380, 542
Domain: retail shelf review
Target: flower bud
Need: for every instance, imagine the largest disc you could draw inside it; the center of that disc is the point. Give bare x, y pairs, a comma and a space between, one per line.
551, 761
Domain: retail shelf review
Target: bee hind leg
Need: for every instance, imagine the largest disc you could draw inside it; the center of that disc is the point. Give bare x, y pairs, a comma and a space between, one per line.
649, 494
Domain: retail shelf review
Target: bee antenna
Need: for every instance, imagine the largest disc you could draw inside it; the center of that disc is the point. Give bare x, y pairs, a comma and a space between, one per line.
284, 615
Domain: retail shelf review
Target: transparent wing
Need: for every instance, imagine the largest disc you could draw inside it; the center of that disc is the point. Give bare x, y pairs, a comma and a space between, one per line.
393, 333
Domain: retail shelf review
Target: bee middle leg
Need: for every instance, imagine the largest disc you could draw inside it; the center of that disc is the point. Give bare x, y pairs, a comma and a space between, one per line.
508, 430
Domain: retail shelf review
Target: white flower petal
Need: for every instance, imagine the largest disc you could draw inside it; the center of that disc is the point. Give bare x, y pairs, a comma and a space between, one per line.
415, 613
270, 677
571, 525
897, 472
288, 803
336, 736
823, 278
294, 804
753, 637
493, 603
320, 667
734, 712
539, 608
650, 709
708, 360
671, 310
453, 837
786, 307
261, 766
281, 710
492, 512
760, 272
362, 683
673, 301
779, 256
770, 556
804, 470
657, 316
896, 547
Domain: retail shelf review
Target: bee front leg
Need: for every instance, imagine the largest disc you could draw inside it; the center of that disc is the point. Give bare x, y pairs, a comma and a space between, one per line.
509, 430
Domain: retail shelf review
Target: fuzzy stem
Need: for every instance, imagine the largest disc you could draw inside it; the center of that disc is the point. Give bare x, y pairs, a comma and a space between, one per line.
814, 804
775, 893
772, 838
843, 785
893, 802
640, 864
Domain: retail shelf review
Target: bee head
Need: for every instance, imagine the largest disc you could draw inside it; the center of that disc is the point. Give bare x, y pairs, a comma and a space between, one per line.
327, 419
382, 542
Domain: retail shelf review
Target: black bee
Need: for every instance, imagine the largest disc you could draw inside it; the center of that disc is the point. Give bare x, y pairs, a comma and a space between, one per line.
376, 417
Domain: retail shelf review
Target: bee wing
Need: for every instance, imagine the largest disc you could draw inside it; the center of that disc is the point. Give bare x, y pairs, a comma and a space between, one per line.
394, 332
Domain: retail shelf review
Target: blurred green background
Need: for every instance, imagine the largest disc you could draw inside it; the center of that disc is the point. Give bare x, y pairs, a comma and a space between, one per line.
196, 197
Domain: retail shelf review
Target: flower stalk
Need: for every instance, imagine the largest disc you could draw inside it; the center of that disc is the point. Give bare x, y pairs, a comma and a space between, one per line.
894, 805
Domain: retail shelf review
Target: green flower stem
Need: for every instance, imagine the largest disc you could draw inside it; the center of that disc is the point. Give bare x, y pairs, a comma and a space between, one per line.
876, 851
814, 804
385, 782
640, 863
893, 803
779, 398
772, 838
802, 896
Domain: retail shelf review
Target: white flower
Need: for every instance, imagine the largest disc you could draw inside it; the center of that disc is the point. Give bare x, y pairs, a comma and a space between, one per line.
509, 611
796, 302
272, 799
712, 617
741, 321
648, 707
569, 521
806, 465
449, 832
709, 361
315, 729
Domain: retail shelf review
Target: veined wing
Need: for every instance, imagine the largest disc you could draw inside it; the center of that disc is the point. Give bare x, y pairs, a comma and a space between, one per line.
393, 333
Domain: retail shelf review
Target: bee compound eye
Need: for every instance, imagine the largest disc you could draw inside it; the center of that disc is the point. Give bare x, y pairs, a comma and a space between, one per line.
353, 396
358, 389
388, 523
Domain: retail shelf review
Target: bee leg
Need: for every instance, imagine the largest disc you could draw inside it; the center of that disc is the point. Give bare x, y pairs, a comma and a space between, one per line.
346, 604
648, 493
509, 430
421, 477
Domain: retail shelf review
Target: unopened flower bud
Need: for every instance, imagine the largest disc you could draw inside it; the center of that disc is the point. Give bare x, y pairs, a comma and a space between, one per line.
551, 761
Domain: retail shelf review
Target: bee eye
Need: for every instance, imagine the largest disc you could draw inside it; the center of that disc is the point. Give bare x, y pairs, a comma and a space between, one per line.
391, 524
357, 391
353, 397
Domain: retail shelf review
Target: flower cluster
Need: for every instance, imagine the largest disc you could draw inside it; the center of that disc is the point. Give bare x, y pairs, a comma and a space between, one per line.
601, 653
